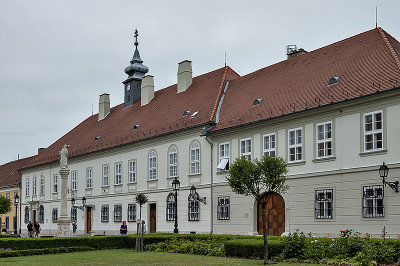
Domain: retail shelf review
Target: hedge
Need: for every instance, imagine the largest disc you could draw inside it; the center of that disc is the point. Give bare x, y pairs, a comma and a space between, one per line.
29, 252
252, 248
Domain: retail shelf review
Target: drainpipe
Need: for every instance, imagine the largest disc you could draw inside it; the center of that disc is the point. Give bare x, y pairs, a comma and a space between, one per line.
211, 182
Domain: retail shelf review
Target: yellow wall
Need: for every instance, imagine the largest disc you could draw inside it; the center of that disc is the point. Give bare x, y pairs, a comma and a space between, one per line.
11, 213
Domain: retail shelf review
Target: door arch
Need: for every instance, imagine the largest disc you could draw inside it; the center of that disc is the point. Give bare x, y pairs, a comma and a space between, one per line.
275, 212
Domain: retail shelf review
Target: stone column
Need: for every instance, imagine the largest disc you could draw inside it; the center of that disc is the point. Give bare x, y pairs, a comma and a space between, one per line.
64, 222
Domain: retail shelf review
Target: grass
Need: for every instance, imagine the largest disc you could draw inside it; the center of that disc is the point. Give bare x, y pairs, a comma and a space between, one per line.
127, 257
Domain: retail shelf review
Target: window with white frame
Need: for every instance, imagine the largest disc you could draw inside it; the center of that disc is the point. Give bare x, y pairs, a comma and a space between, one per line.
152, 165
27, 186
373, 131
223, 211
118, 173
117, 213
173, 162
74, 213
55, 183
131, 212
132, 171
54, 215
42, 184
245, 148
295, 141
26, 216
74, 178
195, 158
324, 139
223, 164
41, 214
193, 207
106, 175
373, 202
323, 203
171, 207
104, 213
89, 175
34, 185
269, 145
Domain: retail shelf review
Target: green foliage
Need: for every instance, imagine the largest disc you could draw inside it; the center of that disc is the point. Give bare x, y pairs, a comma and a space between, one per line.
141, 199
210, 247
5, 205
252, 248
29, 252
295, 245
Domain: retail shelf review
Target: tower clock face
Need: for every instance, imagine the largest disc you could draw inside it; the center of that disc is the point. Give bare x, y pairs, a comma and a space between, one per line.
128, 87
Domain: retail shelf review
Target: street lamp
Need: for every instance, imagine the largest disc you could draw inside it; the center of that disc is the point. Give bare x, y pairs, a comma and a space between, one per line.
16, 200
175, 186
82, 208
383, 172
196, 196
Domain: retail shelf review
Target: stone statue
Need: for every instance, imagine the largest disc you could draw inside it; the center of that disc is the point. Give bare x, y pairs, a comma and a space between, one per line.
64, 156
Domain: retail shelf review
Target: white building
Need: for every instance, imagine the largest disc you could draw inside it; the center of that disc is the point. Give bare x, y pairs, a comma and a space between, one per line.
331, 113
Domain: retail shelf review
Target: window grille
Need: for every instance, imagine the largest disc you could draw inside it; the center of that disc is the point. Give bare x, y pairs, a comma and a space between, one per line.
117, 213
131, 212
41, 214
223, 208
26, 220
373, 202
74, 213
171, 207
323, 204
54, 215
104, 213
193, 207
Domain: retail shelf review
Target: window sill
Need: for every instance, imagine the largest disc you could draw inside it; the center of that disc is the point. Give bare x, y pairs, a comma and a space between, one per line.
324, 159
197, 174
105, 186
296, 163
54, 193
222, 172
132, 183
173, 177
329, 220
371, 153
152, 181
118, 185
89, 188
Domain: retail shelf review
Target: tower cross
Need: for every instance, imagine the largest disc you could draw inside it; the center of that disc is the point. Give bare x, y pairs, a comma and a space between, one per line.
136, 35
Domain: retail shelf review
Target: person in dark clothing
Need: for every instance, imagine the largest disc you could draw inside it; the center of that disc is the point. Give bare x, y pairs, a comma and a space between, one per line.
124, 228
30, 229
36, 226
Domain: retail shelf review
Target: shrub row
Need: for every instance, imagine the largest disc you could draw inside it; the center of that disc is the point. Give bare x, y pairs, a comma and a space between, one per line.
29, 252
252, 248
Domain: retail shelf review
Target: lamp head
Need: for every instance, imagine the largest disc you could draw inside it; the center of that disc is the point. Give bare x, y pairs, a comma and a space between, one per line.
193, 190
383, 171
176, 184
83, 201
73, 201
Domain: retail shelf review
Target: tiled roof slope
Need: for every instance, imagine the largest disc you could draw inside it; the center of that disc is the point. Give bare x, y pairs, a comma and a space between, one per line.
161, 116
364, 63
9, 175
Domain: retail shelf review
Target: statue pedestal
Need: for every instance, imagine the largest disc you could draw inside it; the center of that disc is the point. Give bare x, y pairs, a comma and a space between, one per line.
63, 228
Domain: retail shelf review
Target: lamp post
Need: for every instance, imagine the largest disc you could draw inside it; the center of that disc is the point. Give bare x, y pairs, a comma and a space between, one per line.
16, 200
175, 185
383, 172
82, 208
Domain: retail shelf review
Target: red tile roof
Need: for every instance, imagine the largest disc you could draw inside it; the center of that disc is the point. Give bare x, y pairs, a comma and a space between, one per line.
163, 115
365, 63
9, 175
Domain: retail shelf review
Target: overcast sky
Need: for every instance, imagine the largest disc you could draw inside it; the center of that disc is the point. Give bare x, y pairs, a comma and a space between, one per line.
56, 57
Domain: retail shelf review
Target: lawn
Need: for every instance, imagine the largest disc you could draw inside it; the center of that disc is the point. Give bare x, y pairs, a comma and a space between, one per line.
126, 257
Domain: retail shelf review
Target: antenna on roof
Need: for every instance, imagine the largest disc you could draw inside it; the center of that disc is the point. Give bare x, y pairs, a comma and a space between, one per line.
225, 58
376, 17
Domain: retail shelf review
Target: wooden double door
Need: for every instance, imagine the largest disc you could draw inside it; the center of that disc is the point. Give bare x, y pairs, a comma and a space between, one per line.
274, 215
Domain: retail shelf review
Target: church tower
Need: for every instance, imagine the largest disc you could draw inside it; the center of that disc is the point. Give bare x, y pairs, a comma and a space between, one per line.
135, 72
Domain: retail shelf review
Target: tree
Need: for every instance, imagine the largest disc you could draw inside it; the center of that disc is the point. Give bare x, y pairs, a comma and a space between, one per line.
259, 179
5, 205
141, 199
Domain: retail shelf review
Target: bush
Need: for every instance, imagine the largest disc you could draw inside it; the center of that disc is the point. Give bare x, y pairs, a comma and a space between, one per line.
211, 247
295, 245
252, 248
29, 252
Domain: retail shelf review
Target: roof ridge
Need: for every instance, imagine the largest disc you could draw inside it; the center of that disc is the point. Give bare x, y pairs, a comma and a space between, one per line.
221, 88
390, 47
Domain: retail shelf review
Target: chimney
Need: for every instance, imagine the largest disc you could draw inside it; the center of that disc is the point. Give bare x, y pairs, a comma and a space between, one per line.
104, 105
184, 75
292, 51
147, 89
39, 150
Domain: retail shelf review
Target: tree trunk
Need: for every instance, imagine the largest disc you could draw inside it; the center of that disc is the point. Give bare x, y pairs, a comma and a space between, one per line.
137, 236
266, 261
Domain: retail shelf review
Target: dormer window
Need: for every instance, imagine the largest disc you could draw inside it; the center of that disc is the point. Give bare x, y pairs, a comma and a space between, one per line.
194, 114
97, 138
186, 113
136, 126
257, 101
333, 81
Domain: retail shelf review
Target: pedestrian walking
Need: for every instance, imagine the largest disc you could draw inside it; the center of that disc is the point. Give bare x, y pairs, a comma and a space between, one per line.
124, 228
30, 229
36, 226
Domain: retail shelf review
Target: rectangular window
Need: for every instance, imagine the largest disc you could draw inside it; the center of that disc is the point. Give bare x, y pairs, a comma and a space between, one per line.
152, 166
324, 140
173, 162
223, 164
89, 173
74, 178
118, 173
269, 145
7, 195
373, 202
54, 215
7, 222
223, 208
55, 183
117, 213
132, 171
195, 159
106, 175
373, 131
171, 207
323, 204
34, 185
295, 140
131, 212
27, 186
74, 212
104, 213
245, 148
193, 209
42, 184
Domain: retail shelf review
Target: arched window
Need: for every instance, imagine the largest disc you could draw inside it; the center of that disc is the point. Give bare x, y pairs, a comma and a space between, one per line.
195, 158
152, 165
34, 186
26, 220
193, 207
42, 184
41, 214
173, 162
171, 207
